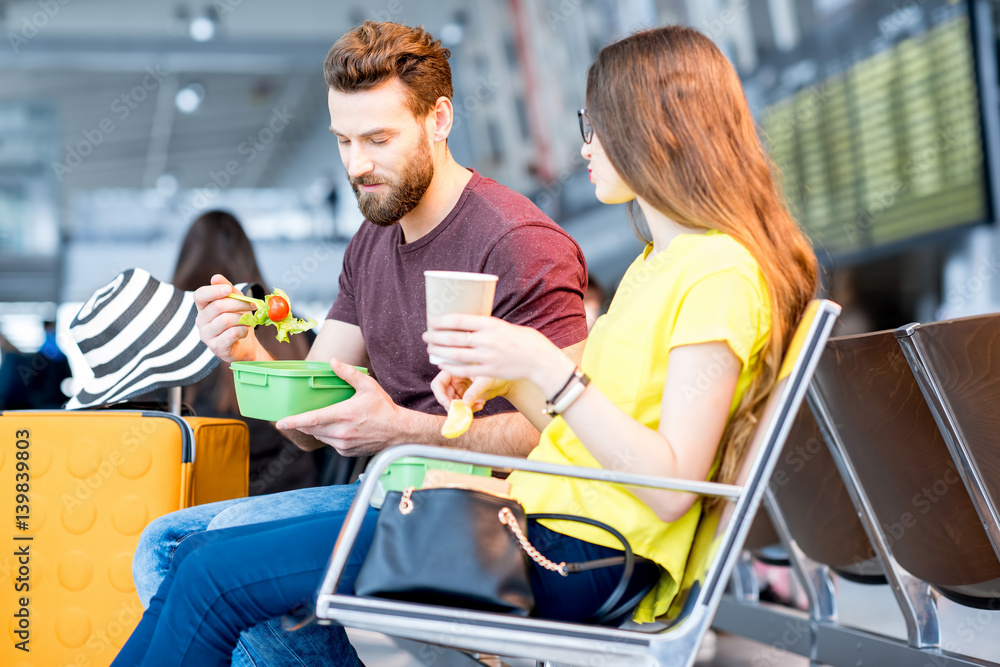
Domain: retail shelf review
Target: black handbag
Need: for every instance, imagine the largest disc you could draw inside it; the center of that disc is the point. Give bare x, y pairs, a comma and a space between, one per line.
468, 548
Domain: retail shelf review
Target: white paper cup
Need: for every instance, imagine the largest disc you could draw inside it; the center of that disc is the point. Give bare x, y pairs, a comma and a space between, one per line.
450, 292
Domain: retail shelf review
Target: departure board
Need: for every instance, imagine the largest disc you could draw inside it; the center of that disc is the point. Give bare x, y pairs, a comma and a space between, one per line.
874, 123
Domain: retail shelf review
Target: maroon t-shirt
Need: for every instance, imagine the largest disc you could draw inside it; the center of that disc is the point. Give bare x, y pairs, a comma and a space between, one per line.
492, 229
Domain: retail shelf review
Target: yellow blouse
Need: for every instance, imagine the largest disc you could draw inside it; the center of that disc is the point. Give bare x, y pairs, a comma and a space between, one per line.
701, 288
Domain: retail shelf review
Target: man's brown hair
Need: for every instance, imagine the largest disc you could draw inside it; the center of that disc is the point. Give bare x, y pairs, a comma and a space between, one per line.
374, 53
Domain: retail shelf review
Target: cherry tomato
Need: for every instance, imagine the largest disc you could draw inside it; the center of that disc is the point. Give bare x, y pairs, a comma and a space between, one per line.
277, 308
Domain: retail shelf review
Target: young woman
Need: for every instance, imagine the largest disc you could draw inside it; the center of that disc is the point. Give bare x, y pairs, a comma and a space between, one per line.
680, 366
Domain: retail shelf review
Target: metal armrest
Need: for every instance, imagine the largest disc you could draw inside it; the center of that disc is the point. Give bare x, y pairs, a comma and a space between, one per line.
355, 516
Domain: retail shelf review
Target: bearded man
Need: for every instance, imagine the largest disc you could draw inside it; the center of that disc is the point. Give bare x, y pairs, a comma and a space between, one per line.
391, 113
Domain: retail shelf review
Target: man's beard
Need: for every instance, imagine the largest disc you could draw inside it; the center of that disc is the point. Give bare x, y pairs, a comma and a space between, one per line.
399, 196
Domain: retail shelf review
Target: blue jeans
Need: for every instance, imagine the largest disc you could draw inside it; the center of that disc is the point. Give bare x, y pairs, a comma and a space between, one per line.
267, 644
222, 582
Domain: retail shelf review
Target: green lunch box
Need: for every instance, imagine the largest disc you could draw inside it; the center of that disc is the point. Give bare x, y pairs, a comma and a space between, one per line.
410, 470
271, 390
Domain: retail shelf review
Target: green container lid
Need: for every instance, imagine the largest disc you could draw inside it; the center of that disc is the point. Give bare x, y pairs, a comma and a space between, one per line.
271, 390
410, 470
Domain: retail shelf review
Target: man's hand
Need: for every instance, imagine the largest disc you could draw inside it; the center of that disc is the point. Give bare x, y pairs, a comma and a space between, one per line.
364, 424
218, 323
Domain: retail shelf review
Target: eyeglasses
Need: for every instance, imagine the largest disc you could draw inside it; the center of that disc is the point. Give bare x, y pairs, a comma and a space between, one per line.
586, 129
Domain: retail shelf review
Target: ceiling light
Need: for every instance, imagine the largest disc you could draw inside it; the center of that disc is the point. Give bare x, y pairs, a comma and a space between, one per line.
452, 33
166, 185
189, 98
202, 27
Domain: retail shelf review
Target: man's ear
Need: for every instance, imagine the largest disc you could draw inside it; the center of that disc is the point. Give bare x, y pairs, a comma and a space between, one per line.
443, 116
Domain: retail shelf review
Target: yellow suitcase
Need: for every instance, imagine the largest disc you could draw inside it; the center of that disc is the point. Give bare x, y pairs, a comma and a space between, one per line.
77, 489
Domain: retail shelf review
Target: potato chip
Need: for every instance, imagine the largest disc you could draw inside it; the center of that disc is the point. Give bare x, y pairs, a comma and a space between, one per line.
459, 419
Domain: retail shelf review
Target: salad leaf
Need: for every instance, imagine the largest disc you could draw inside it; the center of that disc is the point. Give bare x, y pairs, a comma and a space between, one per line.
289, 325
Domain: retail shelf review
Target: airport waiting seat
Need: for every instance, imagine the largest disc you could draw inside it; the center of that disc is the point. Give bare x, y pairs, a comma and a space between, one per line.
816, 508
917, 514
762, 538
674, 641
889, 454
811, 513
816, 511
903, 464
957, 365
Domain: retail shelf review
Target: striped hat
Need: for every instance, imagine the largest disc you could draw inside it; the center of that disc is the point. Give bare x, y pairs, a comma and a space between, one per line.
138, 335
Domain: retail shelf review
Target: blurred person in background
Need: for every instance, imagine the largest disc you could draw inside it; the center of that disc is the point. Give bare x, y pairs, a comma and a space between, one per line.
50, 348
855, 317
216, 243
6, 346
33, 381
594, 300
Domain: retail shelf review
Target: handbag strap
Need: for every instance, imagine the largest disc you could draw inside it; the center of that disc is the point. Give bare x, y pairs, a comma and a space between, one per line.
608, 610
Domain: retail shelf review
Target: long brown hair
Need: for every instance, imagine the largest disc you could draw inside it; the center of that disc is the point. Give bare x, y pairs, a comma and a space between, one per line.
216, 243
670, 113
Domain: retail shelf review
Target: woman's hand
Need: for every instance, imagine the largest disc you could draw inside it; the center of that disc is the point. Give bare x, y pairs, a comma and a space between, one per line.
475, 392
488, 347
